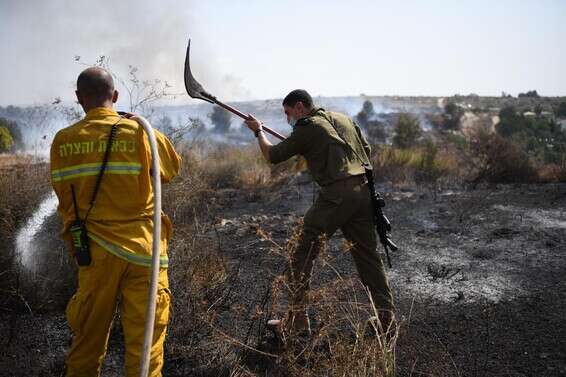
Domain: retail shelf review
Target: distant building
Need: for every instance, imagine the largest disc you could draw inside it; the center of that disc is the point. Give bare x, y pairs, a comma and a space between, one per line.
495, 119
547, 114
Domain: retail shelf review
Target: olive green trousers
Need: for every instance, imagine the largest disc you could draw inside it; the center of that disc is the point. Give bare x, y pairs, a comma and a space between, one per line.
344, 205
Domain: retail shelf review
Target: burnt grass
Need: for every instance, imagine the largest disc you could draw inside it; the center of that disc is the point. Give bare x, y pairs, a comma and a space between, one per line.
478, 281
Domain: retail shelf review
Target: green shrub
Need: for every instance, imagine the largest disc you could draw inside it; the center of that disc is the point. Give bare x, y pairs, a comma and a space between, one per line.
6, 140
560, 110
407, 131
539, 137
456, 139
14, 130
430, 168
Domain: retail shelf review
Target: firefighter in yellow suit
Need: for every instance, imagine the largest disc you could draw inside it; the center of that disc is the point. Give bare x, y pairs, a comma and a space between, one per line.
119, 227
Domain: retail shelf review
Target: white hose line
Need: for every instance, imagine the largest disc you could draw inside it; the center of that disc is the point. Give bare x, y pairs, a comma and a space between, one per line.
152, 300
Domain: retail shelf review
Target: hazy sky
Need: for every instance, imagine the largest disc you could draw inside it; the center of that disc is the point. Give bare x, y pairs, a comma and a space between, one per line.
263, 49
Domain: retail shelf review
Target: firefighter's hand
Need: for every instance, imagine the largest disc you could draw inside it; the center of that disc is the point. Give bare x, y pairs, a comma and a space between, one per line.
252, 123
126, 114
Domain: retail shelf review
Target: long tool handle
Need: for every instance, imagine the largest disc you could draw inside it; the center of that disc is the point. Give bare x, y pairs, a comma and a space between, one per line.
152, 299
244, 116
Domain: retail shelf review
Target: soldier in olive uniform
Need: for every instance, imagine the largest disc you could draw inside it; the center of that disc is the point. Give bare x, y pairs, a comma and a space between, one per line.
344, 202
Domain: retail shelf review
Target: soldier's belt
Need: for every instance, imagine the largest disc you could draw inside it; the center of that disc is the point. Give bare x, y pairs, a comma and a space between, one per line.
351, 180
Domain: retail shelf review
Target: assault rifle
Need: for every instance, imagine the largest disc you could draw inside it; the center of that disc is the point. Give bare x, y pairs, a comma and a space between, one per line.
382, 224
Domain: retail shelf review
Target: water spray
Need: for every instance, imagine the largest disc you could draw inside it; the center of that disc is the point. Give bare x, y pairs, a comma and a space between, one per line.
24, 239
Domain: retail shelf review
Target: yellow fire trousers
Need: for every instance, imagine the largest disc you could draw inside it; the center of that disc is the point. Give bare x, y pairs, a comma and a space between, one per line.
91, 310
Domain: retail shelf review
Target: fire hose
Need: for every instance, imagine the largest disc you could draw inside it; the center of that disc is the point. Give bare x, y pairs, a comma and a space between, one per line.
152, 299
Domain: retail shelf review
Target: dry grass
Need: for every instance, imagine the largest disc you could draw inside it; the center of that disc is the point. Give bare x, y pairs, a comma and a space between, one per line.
484, 157
203, 339
494, 159
10, 161
208, 174
213, 332
553, 172
343, 342
419, 165
225, 166
22, 185
207, 335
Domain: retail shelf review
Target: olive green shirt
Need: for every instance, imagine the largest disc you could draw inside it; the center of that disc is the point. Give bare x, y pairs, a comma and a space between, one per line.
329, 159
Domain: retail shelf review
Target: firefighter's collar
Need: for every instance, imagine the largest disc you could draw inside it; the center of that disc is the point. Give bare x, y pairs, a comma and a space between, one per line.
101, 111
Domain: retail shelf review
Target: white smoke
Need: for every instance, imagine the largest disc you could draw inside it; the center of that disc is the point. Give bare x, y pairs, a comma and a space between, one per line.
40, 39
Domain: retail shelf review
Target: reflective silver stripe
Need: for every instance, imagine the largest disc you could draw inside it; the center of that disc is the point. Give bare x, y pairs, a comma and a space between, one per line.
140, 260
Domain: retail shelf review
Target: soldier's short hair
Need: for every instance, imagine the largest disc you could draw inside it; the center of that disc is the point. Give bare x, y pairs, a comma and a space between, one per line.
298, 95
96, 82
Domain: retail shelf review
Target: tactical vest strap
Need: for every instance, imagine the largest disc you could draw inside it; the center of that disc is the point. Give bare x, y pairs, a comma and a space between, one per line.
331, 120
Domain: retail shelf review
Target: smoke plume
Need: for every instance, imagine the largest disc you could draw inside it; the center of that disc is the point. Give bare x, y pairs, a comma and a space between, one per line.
40, 40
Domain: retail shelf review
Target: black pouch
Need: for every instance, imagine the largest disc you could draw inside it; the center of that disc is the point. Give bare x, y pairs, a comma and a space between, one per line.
80, 243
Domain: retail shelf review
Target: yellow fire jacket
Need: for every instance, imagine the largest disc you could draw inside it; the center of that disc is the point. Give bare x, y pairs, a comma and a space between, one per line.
121, 219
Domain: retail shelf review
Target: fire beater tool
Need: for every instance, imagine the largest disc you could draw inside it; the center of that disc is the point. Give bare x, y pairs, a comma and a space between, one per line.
195, 90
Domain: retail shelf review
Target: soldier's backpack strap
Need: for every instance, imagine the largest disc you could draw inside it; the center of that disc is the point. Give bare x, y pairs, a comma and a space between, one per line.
331, 120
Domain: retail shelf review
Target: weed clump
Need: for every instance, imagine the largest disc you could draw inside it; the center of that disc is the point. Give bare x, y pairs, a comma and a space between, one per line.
498, 160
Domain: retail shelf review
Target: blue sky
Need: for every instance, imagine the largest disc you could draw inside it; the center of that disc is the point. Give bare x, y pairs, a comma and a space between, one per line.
263, 49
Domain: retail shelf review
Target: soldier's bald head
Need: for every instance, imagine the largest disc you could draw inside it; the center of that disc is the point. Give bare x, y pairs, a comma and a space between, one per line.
95, 83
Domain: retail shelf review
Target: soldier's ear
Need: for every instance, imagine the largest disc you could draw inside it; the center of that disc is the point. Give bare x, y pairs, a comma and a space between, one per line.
79, 100
115, 96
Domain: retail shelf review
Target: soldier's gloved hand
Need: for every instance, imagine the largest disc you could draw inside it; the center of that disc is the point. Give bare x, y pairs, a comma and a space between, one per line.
253, 123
